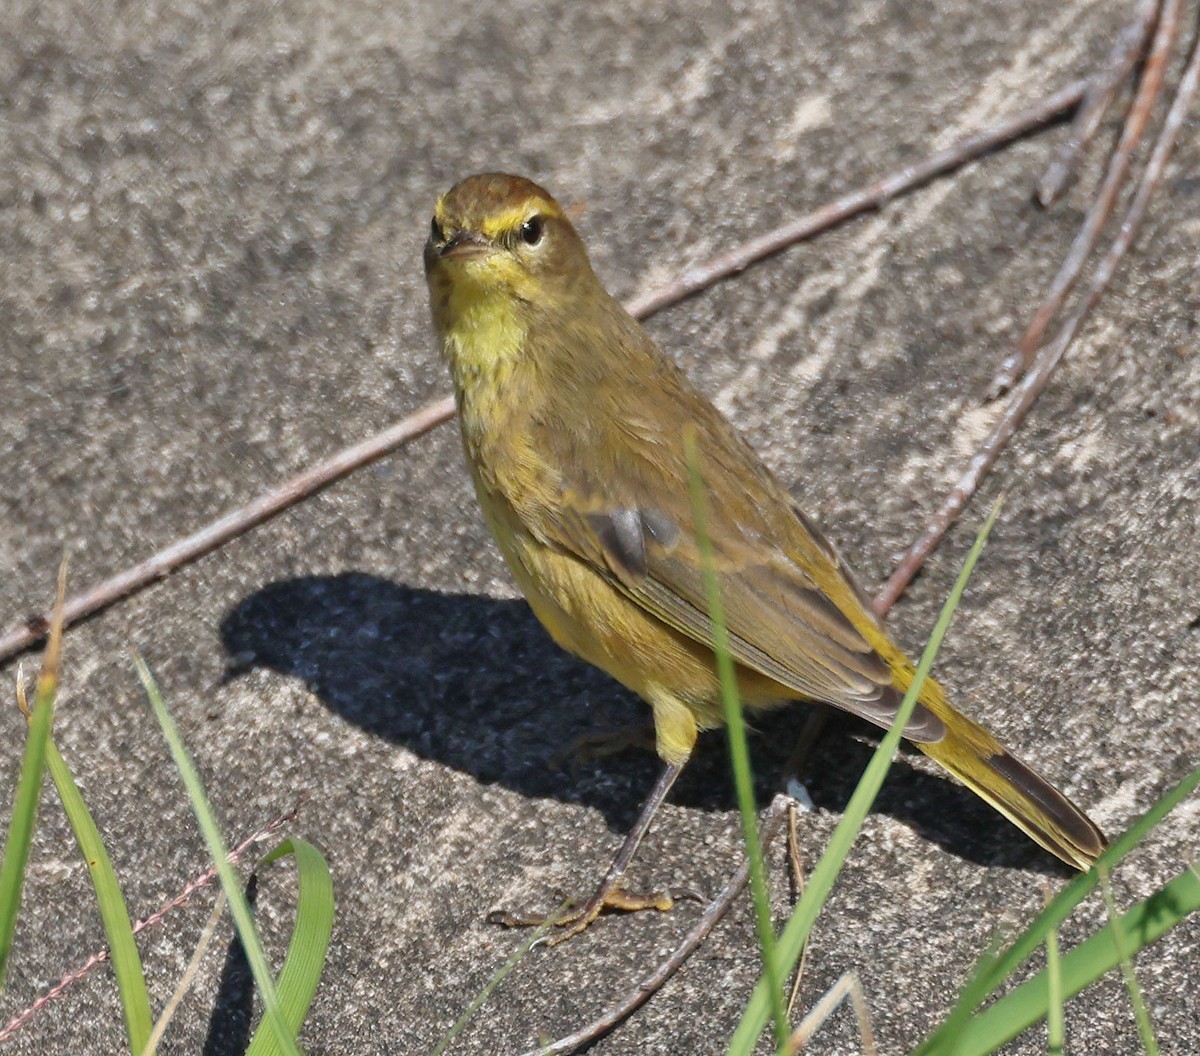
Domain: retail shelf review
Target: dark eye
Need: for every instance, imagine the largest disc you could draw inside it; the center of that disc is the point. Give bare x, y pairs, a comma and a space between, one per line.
531, 231
435, 230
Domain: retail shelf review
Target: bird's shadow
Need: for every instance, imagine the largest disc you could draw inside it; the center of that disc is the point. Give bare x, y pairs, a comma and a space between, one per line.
477, 684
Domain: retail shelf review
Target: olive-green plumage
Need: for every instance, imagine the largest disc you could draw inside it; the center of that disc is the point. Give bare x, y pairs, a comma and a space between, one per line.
573, 421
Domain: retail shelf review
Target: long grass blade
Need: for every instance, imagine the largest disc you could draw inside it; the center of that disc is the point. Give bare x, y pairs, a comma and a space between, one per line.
823, 877
29, 785
122, 948
24, 816
240, 910
739, 751
305, 959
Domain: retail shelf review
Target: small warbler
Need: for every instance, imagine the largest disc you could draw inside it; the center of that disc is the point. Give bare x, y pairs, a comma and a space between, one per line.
572, 421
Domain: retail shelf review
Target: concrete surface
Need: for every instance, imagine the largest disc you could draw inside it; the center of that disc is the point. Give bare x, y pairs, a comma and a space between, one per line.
211, 216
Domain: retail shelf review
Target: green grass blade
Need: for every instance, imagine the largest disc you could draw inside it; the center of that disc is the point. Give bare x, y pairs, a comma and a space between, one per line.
238, 907
309, 944
24, 815
994, 969
1140, 1014
1056, 1028
796, 933
127, 964
739, 751
1144, 924
33, 773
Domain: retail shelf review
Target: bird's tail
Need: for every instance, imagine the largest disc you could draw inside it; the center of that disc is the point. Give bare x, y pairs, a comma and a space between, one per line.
1026, 798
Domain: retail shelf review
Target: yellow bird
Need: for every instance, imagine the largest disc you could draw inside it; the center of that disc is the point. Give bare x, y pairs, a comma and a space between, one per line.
572, 422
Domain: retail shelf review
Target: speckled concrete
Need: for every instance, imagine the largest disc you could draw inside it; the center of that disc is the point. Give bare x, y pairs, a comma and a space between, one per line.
211, 216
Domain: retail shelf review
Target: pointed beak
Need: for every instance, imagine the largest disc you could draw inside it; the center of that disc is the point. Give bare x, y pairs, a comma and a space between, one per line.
464, 245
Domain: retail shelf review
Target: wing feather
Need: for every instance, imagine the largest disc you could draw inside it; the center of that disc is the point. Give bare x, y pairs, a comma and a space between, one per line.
779, 622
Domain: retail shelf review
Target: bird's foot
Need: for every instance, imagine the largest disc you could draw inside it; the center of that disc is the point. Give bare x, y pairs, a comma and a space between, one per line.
571, 922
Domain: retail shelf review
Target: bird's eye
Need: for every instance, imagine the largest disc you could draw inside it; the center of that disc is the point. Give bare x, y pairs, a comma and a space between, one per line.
531, 231
435, 231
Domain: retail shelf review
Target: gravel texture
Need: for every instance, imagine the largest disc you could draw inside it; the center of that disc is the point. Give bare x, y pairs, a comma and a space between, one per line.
211, 215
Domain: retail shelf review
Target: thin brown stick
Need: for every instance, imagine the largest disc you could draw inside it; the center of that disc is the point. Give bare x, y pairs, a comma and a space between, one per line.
1048, 359
1102, 89
308, 483
197, 884
1149, 89
231, 525
796, 861
862, 200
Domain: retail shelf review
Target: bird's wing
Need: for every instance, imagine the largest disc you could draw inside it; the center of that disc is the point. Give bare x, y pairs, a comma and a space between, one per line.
784, 592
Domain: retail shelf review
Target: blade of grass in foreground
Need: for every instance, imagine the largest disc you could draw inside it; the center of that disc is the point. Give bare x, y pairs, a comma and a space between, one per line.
1140, 1013
122, 948
993, 968
1056, 1029
238, 907
24, 814
739, 751
29, 785
309, 944
796, 933
1144, 924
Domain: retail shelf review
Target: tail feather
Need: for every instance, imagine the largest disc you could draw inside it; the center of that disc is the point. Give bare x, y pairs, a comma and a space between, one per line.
981, 762
1023, 796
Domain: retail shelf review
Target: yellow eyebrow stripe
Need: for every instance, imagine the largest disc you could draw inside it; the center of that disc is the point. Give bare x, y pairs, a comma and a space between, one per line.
506, 220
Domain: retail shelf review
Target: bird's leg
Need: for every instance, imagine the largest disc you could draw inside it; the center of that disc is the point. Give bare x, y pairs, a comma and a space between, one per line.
814, 725
609, 894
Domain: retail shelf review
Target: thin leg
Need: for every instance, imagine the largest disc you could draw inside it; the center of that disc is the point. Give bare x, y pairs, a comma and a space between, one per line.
818, 718
609, 894
620, 863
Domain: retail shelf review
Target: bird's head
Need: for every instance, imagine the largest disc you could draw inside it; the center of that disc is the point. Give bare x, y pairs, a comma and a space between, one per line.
495, 239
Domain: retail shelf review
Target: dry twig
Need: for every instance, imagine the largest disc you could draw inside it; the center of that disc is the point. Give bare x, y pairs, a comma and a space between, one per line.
1102, 89
1102, 205
796, 861
873, 196
849, 986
